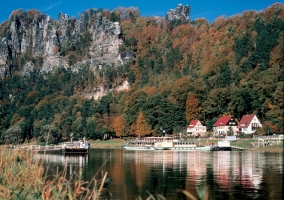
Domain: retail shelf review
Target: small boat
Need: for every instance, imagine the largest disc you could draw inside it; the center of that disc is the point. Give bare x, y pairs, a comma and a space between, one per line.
80, 146
223, 145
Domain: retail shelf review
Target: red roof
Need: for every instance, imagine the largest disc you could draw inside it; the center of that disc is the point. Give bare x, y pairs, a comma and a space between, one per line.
245, 121
192, 123
222, 121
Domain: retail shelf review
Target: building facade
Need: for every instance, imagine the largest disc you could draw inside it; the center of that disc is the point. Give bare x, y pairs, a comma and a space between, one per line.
225, 125
196, 128
248, 124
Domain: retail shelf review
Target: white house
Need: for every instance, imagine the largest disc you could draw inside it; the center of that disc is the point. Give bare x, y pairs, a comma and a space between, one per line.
249, 124
224, 125
196, 128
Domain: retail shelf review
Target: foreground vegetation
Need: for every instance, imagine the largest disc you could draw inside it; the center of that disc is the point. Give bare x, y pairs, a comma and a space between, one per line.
23, 177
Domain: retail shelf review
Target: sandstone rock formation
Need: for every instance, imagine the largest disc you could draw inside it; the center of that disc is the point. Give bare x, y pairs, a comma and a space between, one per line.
180, 13
34, 34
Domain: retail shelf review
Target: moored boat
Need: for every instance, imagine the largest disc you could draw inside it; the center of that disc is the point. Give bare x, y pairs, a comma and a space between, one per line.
80, 146
165, 143
146, 143
223, 145
180, 145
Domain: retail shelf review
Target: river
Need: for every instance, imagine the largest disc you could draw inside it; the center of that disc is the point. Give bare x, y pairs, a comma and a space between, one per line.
139, 174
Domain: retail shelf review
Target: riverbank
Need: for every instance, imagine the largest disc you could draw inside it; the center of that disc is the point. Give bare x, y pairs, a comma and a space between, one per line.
247, 144
106, 144
243, 143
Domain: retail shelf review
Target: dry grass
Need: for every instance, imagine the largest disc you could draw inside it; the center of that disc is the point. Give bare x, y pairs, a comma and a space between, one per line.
23, 177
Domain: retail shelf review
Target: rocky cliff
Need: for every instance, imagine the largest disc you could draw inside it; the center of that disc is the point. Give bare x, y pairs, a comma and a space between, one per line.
91, 40
180, 13
31, 39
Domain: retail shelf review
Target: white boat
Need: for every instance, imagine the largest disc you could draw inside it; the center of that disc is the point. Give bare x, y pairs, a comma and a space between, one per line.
223, 145
164, 143
146, 143
80, 146
180, 145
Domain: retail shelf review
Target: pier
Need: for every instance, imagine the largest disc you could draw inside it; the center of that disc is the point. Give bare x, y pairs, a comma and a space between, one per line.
238, 148
38, 148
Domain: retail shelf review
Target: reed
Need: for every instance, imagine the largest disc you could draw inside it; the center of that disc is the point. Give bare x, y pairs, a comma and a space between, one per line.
23, 177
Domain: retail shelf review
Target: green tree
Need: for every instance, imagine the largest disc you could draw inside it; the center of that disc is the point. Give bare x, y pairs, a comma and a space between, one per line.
160, 112
50, 134
78, 128
91, 123
13, 135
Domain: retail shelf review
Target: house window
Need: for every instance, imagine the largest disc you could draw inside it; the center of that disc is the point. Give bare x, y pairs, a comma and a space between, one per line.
255, 125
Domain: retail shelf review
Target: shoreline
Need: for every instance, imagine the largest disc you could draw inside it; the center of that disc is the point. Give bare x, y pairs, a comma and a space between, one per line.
117, 143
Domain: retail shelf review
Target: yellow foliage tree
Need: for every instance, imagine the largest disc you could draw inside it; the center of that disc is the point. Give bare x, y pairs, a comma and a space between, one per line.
119, 125
141, 126
192, 107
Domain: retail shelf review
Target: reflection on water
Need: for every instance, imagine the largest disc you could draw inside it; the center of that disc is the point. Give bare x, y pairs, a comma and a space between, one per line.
228, 175
63, 159
72, 162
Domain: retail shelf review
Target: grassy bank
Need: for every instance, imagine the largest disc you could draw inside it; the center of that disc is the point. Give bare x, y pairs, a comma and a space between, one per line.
106, 144
243, 143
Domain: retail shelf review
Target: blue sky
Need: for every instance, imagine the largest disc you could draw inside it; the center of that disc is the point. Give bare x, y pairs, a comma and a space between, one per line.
207, 9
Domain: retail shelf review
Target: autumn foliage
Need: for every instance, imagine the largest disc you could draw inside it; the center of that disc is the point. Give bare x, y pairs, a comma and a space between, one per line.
194, 70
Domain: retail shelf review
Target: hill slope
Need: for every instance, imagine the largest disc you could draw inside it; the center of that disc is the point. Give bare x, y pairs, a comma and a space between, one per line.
177, 70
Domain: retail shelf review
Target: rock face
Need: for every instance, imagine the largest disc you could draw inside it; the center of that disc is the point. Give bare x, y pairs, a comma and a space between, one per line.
180, 13
32, 34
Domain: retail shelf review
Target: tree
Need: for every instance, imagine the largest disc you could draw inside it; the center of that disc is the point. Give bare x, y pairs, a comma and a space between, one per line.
131, 77
160, 112
141, 126
119, 125
78, 128
91, 123
193, 108
230, 131
114, 17
50, 134
179, 92
13, 134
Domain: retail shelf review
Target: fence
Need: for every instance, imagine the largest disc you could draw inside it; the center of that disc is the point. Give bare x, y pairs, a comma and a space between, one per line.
268, 136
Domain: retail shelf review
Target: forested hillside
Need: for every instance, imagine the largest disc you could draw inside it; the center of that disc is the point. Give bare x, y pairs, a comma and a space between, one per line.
182, 70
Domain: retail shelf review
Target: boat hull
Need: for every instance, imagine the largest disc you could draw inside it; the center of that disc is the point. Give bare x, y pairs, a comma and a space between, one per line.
221, 148
141, 148
75, 150
191, 148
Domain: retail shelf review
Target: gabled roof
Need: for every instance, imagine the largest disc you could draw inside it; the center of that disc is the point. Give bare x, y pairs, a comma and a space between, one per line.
245, 121
193, 123
222, 121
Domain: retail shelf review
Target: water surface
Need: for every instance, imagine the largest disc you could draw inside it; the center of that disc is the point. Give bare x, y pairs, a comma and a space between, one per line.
136, 174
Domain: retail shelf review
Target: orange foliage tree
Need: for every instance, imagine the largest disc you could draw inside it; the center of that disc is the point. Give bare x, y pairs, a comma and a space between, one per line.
119, 125
192, 108
141, 127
